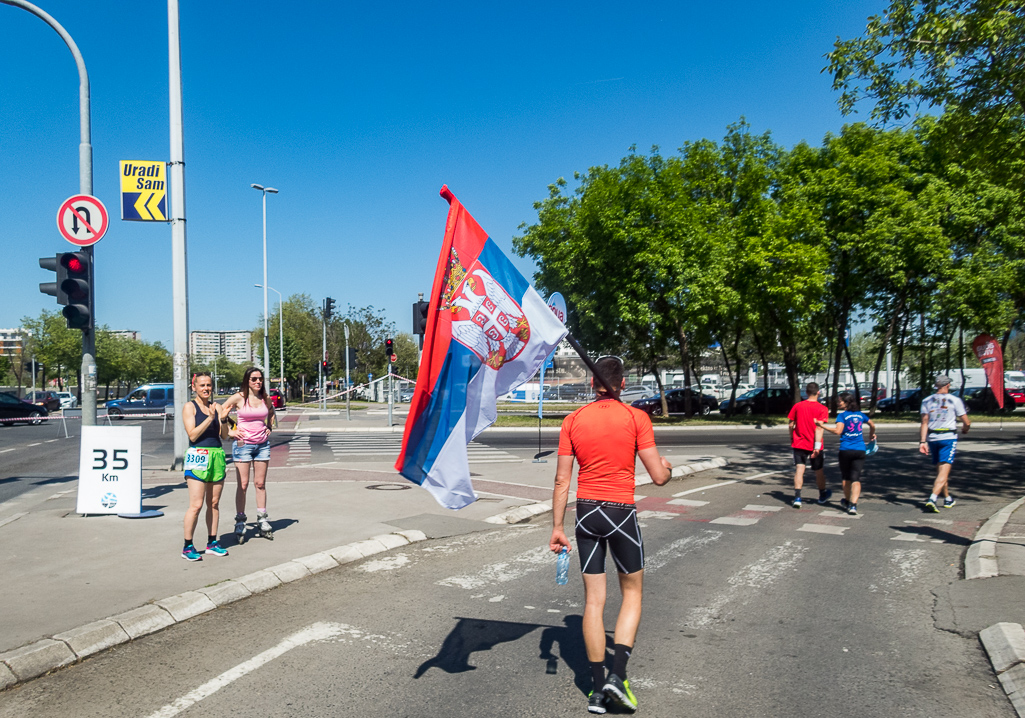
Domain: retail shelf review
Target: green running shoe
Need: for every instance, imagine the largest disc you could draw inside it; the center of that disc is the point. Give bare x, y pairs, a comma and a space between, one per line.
949, 502
930, 507
618, 691
596, 702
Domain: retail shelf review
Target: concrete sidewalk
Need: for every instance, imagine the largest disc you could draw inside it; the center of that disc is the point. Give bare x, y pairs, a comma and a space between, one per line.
75, 585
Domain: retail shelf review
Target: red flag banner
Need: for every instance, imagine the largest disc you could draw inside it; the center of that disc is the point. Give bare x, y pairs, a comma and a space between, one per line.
991, 356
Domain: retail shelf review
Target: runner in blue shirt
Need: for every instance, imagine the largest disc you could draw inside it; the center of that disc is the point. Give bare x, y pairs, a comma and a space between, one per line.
850, 423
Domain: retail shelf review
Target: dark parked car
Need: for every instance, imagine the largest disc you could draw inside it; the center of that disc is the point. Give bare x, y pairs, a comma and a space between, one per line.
982, 400
277, 399
675, 400
48, 399
569, 392
910, 400
11, 407
754, 401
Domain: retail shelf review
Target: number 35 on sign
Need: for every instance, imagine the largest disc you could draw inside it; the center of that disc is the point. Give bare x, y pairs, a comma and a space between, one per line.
110, 470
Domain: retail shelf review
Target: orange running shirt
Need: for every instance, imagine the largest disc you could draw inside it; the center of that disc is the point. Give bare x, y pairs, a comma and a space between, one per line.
605, 436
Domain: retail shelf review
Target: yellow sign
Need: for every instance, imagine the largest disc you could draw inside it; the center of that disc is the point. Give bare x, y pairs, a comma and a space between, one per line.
144, 191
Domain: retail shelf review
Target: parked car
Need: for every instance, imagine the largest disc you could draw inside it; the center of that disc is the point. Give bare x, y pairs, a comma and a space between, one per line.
675, 401
909, 400
1018, 395
983, 401
11, 407
754, 402
67, 399
49, 399
406, 395
277, 399
634, 393
147, 399
570, 392
865, 395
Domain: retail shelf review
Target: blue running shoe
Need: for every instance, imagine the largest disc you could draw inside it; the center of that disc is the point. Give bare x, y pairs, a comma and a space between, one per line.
844, 504
949, 502
824, 496
189, 553
797, 502
930, 507
216, 549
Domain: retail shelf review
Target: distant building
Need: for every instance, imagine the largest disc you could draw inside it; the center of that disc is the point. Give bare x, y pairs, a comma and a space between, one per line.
128, 334
234, 346
11, 342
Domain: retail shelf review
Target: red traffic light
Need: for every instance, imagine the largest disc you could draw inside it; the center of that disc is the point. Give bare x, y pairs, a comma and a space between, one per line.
75, 264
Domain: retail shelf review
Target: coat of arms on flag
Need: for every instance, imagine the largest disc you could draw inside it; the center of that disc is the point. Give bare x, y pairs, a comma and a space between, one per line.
488, 330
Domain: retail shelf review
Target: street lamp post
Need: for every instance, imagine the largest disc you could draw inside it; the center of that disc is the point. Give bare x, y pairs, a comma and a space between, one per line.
266, 351
281, 338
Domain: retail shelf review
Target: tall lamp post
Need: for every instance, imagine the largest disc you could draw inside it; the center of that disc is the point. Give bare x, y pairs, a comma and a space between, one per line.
266, 350
281, 338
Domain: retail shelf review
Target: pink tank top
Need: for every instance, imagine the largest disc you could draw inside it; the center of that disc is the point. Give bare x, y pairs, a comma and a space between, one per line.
252, 422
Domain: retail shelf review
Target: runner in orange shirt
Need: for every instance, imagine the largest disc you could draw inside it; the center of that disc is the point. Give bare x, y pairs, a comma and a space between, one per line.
605, 437
806, 441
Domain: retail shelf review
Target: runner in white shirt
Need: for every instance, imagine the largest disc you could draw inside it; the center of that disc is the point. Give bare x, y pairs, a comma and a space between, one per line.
940, 414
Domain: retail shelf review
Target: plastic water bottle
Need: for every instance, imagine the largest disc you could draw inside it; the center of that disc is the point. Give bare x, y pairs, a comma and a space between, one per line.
562, 567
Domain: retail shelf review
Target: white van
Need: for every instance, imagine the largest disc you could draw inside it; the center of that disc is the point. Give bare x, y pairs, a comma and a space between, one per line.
1014, 379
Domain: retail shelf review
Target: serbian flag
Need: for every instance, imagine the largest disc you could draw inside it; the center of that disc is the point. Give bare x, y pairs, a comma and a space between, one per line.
487, 332
991, 356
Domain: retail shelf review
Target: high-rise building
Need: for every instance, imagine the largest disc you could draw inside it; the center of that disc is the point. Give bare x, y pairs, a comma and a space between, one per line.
128, 334
235, 346
11, 342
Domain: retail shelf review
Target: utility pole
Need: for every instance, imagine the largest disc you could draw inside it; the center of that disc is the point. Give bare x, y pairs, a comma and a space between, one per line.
348, 387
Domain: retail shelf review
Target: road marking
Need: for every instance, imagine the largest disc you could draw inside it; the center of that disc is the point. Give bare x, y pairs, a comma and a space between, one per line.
759, 507
6, 450
514, 568
664, 515
839, 515
734, 521
824, 529
679, 548
316, 632
12, 518
389, 563
35, 444
715, 486
687, 502
50, 441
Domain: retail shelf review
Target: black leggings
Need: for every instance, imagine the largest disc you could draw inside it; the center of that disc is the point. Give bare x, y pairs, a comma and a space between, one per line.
851, 464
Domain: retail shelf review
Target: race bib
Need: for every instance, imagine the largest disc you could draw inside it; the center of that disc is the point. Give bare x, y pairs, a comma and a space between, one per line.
197, 459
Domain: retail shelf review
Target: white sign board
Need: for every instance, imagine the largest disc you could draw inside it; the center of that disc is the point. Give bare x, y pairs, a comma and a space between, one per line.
110, 470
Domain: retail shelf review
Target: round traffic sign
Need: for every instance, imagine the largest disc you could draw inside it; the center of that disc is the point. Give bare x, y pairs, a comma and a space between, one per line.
82, 220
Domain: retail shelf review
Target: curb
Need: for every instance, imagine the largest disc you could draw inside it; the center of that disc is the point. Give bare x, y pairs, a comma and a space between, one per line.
63, 649
981, 559
527, 512
1005, 644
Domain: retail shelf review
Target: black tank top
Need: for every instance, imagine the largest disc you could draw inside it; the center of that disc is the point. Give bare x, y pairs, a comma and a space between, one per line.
211, 436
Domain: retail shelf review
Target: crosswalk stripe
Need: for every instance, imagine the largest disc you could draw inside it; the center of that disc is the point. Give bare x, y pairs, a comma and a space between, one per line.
824, 529
734, 521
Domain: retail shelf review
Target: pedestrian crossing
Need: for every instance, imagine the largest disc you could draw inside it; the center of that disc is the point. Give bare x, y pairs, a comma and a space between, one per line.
299, 450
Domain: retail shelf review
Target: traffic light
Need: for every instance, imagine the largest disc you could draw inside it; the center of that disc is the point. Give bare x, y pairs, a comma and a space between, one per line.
420, 317
389, 348
329, 304
326, 367
76, 285
352, 357
54, 288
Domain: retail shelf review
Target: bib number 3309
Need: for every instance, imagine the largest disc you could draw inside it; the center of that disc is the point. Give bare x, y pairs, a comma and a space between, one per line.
119, 462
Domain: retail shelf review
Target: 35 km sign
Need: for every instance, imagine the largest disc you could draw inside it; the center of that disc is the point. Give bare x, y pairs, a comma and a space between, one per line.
82, 220
110, 470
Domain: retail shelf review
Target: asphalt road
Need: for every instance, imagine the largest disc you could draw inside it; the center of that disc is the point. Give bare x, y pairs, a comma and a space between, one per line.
752, 608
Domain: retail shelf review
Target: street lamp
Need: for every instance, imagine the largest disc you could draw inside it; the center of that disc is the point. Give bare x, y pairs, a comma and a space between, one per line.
266, 350
281, 337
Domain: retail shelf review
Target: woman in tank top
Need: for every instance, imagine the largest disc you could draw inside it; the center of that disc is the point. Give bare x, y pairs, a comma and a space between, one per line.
204, 466
251, 449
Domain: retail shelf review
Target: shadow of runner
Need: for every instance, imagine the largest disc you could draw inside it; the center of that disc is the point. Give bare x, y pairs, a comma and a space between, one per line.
571, 650
470, 635
933, 533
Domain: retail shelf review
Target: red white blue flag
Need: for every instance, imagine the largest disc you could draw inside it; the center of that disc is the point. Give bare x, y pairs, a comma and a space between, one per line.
487, 332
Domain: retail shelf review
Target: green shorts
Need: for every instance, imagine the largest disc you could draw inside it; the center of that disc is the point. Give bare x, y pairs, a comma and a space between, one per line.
206, 464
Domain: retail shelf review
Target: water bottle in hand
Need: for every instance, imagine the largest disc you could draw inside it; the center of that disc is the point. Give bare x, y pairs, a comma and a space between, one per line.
562, 567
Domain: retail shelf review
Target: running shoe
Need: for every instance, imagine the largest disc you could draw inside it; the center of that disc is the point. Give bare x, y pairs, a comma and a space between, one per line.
191, 554
618, 691
948, 503
844, 504
824, 496
596, 702
852, 509
797, 502
216, 549
930, 507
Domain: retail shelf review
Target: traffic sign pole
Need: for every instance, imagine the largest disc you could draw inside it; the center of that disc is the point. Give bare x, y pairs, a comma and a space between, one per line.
179, 271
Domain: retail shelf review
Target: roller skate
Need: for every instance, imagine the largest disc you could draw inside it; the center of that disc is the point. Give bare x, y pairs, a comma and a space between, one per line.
264, 526
240, 528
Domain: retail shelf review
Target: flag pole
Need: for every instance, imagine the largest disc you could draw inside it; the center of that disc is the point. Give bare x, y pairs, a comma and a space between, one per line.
590, 364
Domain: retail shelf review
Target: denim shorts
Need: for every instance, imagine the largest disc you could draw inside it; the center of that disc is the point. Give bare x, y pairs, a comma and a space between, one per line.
244, 453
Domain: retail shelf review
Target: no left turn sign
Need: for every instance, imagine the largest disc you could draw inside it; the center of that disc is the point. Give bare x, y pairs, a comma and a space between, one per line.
82, 220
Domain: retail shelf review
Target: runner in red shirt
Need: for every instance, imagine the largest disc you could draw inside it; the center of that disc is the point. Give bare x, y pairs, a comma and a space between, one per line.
806, 441
606, 437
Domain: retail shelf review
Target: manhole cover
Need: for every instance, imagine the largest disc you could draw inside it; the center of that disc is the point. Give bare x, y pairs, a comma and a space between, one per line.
389, 487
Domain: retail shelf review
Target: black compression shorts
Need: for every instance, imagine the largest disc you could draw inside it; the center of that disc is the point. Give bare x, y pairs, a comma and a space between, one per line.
602, 524
803, 456
851, 464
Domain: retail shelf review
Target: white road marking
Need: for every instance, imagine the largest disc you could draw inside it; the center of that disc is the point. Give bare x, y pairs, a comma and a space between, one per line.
665, 515
824, 529
316, 632
907, 562
712, 486
908, 537
942, 522
839, 515
687, 502
389, 563
734, 521
516, 567
679, 548
4, 451
35, 444
759, 507
748, 582
50, 441
496, 599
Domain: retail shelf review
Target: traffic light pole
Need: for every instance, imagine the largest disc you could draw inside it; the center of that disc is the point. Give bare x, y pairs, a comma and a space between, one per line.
323, 358
391, 394
347, 385
85, 186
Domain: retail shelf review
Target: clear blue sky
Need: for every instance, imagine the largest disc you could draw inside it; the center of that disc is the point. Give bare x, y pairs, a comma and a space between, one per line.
358, 113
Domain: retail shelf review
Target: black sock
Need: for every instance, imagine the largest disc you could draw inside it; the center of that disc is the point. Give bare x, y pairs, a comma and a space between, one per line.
211, 539
188, 544
797, 493
620, 659
598, 674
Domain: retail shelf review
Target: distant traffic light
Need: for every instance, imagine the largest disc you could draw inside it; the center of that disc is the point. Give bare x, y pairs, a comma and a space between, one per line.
76, 285
54, 288
329, 304
352, 357
326, 367
389, 347
420, 317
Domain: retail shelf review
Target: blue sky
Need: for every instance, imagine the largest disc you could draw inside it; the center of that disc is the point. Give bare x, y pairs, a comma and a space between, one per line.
358, 113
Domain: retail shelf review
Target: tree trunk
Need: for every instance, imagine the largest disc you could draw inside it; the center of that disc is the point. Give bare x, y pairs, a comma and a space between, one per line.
923, 377
765, 365
790, 365
688, 410
900, 360
879, 363
854, 373
733, 382
960, 357
841, 329
661, 389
